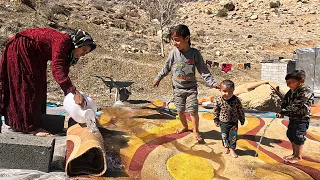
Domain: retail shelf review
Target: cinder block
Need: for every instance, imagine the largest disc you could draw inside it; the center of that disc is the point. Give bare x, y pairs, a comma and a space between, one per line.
24, 151
52, 123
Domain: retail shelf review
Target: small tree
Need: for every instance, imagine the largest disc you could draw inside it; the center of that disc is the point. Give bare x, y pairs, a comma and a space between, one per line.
166, 10
162, 10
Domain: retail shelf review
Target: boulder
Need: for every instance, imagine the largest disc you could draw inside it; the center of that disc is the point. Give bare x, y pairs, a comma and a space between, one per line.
262, 98
229, 5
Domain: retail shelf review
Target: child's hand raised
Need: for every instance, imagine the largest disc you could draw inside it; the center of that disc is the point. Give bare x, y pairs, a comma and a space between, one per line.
155, 83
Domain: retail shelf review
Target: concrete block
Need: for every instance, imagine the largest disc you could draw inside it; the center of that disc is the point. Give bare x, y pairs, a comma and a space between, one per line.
24, 151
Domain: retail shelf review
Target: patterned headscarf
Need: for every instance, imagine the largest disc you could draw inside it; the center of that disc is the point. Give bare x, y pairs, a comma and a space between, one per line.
81, 38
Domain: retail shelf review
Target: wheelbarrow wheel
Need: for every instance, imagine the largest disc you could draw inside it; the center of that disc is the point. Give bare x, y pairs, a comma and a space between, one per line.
124, 94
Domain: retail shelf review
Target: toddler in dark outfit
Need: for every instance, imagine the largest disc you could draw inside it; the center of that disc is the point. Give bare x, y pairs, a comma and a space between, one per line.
297, 105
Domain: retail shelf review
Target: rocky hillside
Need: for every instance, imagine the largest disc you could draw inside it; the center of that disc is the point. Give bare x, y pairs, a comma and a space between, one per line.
128, 43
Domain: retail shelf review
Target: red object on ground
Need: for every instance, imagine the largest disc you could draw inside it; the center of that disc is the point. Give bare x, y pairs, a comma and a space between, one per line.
23, 75
226, 67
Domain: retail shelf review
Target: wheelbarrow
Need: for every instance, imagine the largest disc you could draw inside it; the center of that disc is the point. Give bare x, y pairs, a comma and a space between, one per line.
123, 88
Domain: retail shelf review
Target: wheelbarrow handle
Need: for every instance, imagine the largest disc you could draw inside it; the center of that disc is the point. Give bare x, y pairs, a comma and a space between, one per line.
102, 78
109, 85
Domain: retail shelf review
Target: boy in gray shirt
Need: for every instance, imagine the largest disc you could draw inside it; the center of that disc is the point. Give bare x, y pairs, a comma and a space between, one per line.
183, 60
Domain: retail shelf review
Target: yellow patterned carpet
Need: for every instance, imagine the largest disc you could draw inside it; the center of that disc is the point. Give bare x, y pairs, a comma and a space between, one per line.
149, 148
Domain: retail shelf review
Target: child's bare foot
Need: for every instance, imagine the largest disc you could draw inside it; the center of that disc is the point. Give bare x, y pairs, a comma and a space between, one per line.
227, 151
233, 153
288, 157
40, 132
182, 130
294, 160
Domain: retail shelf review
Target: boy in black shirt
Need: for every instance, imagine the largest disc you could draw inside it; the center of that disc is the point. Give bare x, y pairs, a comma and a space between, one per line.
297, 105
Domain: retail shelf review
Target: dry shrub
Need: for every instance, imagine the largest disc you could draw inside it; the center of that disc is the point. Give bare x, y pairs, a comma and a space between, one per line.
110, 10
98, 7
201, 33
134, 13
60, 9
129, 11
275, 4
29, 3
119, 16
222, 12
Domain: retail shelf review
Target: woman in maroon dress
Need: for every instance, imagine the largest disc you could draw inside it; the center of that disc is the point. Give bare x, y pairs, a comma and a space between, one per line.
23, 73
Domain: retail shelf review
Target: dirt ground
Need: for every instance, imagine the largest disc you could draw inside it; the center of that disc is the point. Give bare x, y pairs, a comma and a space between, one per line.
128, 44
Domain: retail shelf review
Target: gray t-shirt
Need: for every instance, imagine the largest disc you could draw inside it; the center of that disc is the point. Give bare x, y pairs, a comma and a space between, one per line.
183, 66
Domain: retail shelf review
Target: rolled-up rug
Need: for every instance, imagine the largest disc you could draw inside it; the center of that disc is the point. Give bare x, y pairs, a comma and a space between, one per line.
85, 154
